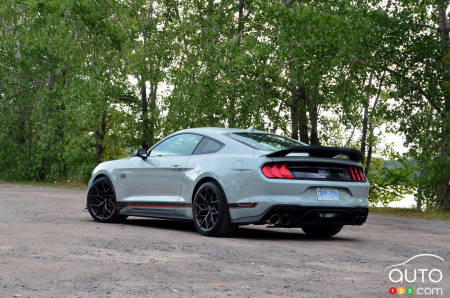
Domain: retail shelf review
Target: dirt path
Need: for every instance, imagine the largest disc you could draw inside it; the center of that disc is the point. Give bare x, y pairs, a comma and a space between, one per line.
50, 248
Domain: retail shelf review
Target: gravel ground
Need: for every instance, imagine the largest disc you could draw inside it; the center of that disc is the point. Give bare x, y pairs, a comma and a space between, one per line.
50, 248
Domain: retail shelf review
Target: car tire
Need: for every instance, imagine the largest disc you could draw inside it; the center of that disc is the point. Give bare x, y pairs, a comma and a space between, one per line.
321, 230
101, 202
210, 211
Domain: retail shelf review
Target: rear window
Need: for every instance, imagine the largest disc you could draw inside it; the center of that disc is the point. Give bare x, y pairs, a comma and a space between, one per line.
265, 141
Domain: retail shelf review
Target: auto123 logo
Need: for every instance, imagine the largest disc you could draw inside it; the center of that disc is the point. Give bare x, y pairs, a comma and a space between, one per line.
419, 275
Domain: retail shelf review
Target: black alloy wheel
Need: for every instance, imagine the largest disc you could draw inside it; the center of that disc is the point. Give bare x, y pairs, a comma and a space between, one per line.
210, 211
101, 202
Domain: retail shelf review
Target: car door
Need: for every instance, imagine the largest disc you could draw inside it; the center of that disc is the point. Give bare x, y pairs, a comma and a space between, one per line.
156, 181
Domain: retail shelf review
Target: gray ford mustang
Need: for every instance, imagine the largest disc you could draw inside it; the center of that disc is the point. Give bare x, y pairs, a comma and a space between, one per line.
221, 178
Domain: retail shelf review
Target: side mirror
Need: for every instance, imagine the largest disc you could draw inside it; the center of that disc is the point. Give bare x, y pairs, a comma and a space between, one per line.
142, 153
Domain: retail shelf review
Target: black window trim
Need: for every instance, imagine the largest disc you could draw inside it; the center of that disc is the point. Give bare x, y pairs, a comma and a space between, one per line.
212, 139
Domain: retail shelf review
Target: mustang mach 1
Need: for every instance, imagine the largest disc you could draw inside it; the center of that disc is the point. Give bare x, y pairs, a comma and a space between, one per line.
221, 178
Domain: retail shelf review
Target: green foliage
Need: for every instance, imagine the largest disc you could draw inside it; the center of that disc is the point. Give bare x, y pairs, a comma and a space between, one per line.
390, 183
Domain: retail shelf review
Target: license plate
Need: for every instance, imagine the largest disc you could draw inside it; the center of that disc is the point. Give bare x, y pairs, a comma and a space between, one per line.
327, 194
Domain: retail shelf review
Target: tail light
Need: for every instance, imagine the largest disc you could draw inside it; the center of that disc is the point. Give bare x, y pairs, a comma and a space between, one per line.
356, 174
276, 170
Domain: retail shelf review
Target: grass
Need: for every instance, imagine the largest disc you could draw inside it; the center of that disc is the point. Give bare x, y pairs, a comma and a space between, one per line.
411, 213
63, 184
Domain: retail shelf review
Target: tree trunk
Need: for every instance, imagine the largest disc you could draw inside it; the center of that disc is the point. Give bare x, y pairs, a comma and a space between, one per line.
99, 138
443, 26
146, 129
299, 119
294, 112
419, 197
240, 21
365, 120
364, 130
240, 28
144, 111
444, 185
154, 111
295, 100
303, 117
369, 155
277, 117
314, 116
370, 128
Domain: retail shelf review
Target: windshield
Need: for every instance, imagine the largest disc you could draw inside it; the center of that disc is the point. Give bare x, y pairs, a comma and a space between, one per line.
265, 141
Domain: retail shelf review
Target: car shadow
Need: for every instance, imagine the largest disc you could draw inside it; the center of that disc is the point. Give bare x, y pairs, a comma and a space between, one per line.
269, 233
162, 224
244, 232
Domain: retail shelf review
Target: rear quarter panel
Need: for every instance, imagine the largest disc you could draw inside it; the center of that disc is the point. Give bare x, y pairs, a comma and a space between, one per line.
241, 179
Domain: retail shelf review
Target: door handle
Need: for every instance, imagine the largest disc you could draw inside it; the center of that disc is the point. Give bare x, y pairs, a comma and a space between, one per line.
176, 167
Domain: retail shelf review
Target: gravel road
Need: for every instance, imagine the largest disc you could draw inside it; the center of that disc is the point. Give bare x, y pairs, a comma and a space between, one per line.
50, 248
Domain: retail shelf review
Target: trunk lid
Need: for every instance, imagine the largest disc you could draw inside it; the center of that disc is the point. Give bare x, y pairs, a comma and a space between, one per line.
316, 163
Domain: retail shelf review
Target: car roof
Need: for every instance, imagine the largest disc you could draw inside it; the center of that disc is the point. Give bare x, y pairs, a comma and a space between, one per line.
217, 130
219, 133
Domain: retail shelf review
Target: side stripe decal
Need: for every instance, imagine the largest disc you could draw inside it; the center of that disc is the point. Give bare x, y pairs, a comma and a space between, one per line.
176, 205
153, 205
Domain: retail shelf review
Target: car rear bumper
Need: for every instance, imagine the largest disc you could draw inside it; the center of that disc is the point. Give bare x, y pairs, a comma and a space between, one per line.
302, 215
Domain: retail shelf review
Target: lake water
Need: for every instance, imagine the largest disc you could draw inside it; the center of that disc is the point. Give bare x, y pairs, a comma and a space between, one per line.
407, 202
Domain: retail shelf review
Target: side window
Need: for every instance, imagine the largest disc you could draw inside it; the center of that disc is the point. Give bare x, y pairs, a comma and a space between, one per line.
207, 145
182, 144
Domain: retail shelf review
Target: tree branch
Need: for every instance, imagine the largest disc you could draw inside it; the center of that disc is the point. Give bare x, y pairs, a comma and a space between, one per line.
416, 87
413, 84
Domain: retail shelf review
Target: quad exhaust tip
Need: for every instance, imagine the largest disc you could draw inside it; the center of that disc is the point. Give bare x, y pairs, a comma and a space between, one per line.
286, 220
278, 220
275, 219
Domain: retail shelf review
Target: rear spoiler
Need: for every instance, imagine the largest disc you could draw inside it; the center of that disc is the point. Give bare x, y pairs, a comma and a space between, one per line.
320, 151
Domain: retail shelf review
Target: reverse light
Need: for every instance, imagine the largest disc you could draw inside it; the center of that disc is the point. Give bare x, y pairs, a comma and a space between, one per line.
276, 170
327, 215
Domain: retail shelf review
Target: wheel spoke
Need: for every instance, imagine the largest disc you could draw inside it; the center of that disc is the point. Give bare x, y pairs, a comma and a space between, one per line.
206, 206
102, 200
206, 220
97, 205
212, 219
108, 211
201, 208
